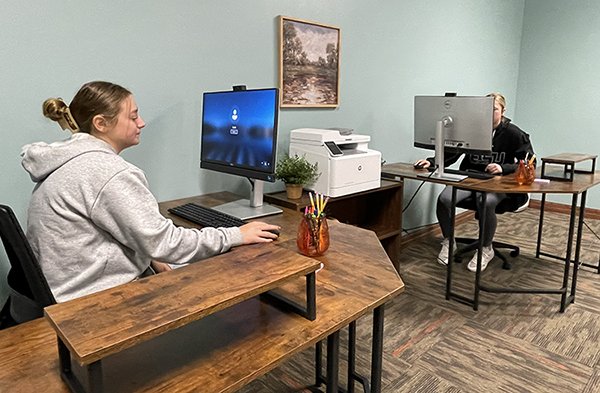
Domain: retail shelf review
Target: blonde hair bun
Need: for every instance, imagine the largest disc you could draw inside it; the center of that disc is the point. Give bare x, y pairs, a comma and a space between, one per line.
56, 109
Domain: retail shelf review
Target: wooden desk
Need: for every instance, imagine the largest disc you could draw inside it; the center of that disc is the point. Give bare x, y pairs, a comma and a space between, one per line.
228, 349
135, 313
507, 184
379, 210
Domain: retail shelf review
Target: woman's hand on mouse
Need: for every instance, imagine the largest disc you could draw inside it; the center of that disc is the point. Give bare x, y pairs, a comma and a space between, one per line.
258, 232
422, 164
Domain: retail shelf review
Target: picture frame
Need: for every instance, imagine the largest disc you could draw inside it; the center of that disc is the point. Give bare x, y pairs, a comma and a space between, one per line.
309, 63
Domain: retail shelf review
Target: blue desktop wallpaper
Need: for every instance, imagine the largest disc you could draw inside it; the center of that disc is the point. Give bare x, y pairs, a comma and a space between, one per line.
239, 128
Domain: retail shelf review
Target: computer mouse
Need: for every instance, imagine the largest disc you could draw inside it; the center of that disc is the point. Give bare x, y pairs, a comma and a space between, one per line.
274, 231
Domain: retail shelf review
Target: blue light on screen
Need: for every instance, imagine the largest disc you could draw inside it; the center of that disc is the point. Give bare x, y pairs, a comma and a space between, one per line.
238, 128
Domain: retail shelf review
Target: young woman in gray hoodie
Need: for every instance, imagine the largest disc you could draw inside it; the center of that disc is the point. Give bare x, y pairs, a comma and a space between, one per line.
92, 221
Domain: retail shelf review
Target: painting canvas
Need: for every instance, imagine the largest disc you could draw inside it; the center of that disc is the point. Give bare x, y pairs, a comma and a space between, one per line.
309, 64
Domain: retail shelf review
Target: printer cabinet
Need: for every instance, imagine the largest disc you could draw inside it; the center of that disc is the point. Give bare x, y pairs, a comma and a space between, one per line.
378, 209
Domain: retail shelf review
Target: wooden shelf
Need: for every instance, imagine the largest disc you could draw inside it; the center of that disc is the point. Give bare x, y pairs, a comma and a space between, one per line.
562, 166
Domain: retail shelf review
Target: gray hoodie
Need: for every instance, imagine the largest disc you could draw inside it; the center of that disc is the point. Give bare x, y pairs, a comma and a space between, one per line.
94, 224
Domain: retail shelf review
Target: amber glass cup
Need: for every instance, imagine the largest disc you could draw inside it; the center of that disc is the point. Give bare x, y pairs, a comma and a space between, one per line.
313, 236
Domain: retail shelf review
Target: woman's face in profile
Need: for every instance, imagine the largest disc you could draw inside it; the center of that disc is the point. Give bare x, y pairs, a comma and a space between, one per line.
126, 131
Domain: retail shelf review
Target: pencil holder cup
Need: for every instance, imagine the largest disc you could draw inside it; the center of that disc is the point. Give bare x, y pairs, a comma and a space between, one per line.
313, 236
525, 173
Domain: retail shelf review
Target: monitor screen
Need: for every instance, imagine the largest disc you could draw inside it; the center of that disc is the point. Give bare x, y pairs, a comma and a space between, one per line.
467, 122
239, 132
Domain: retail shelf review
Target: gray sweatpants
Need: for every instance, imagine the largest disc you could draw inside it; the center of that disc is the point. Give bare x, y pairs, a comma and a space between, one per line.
443, 211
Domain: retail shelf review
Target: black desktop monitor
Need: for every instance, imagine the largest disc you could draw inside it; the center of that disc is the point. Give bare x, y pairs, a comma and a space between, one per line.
456, 123
239, 137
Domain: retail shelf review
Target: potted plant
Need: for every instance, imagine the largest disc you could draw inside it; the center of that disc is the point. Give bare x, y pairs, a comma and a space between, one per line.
296, 172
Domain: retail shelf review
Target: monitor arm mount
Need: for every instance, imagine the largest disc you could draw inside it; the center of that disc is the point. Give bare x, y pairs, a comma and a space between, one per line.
445, 122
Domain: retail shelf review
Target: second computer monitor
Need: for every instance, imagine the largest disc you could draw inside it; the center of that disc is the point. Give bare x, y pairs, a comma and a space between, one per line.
467, 122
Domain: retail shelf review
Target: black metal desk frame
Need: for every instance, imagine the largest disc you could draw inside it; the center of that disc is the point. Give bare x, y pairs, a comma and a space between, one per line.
333, 341
566, 297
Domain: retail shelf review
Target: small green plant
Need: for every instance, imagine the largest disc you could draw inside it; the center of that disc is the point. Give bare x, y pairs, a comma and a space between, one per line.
296, 170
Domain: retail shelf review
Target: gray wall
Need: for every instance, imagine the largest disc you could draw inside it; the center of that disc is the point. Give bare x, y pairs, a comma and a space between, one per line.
168, 53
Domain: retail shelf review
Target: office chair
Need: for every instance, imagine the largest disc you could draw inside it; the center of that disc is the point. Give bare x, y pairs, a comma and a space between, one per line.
29, 292
515, 203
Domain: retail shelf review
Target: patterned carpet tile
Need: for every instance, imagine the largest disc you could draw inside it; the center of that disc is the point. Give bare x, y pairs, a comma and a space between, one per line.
418, 380
593, 384
476, 359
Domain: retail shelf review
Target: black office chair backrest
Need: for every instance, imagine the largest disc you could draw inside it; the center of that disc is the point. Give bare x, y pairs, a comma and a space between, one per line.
25, 276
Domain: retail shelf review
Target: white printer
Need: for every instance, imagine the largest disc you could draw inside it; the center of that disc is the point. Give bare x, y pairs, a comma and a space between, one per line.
346, 163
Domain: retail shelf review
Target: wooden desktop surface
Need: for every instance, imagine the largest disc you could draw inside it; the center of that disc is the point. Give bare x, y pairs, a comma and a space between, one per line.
141, 302
225, 350
501, 184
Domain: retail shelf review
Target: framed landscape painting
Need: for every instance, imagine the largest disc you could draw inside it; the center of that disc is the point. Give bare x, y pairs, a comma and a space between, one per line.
309, 64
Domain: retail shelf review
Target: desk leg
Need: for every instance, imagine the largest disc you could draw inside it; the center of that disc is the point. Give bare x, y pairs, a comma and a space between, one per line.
333, 355
540, 226
353, 376
311, 296
451, 246
563, 300
319, 364
377, 351
308, 311
93, 372
449, 293
351, 356
482, 215
578, 247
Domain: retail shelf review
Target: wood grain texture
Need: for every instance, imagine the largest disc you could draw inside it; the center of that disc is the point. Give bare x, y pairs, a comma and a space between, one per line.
143, 309
225, 350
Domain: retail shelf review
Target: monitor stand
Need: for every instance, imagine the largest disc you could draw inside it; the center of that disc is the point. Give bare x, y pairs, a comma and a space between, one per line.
439, 154
253, 208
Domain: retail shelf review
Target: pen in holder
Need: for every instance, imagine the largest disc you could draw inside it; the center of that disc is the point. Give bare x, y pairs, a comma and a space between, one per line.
313, 231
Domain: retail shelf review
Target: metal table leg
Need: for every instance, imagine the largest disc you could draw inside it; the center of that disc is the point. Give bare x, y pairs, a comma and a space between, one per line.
377, 351
563, 300
479, 250
333, 355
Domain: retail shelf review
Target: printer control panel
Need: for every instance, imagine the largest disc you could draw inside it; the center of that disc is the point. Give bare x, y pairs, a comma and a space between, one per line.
333, 149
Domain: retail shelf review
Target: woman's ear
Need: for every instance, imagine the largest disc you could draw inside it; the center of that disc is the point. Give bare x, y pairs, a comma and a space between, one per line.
99, 123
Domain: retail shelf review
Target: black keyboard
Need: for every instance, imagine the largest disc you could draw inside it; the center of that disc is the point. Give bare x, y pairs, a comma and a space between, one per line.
469, 173
206, 216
